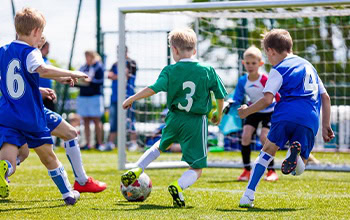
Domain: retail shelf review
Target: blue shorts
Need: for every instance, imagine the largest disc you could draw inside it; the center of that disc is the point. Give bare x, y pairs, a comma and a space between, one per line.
284, 131
19, 138
113, 118
52, 118
90, 106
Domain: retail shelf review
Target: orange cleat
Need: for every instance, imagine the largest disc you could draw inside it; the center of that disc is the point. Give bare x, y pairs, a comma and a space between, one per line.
92, 185
244, 176
271, 176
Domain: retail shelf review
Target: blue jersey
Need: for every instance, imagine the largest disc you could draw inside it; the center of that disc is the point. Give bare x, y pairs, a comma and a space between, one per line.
21, 106
300, 87
130, 84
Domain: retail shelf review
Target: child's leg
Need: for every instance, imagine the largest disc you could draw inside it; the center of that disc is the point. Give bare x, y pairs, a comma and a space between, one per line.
8, 155
56, 171
266, 155
23, 153
70, 136
187, 179
248, 131
150, 155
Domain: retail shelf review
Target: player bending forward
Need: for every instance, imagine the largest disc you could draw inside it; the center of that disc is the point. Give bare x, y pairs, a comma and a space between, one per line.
22, 118
296, 115
188, 84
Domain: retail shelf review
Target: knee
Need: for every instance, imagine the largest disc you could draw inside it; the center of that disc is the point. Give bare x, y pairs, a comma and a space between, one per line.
246, 139
198, 172
70, 134
262, 139
50, 161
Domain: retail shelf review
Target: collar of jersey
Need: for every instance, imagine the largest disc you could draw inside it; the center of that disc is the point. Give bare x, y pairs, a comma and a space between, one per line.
188, 60
20, 42
286, 58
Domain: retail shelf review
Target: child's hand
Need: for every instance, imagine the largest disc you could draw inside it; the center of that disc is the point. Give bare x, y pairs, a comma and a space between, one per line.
128, 103
79, 75
242, 112
327, 133
67, 80
216, 118
47, 93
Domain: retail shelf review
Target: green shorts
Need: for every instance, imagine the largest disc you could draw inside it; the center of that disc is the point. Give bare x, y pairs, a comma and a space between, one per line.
191, 131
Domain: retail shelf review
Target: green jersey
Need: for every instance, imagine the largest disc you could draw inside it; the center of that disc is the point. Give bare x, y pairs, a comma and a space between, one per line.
188, 84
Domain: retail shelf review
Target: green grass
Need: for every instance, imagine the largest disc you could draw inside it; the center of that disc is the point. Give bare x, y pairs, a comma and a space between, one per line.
314, 195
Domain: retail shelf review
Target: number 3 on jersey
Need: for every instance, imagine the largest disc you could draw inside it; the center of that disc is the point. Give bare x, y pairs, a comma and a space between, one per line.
192, 86
310, 86
14, 80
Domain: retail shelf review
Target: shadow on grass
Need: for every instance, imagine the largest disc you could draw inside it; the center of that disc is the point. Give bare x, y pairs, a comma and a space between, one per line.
260, 210
225, 181
141, 206
30, 208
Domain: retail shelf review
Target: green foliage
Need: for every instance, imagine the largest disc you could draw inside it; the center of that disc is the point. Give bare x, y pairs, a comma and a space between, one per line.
323, 41
314, 195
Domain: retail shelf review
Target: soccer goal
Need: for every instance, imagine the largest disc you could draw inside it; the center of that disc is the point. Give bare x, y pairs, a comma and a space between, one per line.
320, 30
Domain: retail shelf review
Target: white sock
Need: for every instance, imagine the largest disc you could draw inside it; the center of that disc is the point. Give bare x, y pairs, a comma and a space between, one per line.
74, 156
9, 169
59, 176
187, 179
258, 171
147, 157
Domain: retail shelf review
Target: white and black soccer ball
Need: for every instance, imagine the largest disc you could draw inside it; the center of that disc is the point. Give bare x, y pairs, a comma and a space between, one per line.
139, 190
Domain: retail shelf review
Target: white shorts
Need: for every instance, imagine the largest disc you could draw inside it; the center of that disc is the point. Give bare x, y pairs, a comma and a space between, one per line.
90, 106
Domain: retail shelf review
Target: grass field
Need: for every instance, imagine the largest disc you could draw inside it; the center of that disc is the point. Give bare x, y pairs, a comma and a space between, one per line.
314, 195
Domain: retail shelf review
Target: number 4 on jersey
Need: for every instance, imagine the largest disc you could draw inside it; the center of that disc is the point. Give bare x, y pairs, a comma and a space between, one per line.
310, 85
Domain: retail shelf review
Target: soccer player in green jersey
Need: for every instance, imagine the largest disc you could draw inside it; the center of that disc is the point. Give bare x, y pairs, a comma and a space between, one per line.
188, 84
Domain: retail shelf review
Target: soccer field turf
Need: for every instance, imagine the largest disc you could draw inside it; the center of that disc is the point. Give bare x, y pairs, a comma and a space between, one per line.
314, 195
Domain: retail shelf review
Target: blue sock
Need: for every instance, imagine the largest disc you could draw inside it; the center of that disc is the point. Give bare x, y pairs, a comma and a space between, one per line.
258, 171
59, 176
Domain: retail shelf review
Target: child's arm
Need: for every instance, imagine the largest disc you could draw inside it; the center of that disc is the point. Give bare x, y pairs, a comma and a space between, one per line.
48, 71
263, 103
144, 93
327, 132
217, 115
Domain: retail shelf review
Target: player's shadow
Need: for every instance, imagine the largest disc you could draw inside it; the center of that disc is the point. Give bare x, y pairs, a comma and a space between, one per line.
144, 206
224, 181
260, 210
30, 208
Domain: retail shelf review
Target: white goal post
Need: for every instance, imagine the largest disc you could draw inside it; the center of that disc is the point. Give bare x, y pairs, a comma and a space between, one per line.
236, 9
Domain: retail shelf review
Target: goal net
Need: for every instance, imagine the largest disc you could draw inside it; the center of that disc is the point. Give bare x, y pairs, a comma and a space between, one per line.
321, 34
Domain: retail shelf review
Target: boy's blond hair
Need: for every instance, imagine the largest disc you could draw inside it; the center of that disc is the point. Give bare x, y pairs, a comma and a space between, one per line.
253, 51
279, 40
184, 39
27, 20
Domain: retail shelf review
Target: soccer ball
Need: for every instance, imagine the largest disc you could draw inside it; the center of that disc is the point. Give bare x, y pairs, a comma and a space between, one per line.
139, 190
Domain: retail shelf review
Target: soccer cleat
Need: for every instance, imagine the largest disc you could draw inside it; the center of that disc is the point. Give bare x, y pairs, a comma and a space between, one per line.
246, 202
290, 163
177, 194
271, 176
91, 185
130, 176
72, 200
244, 176
4, 186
